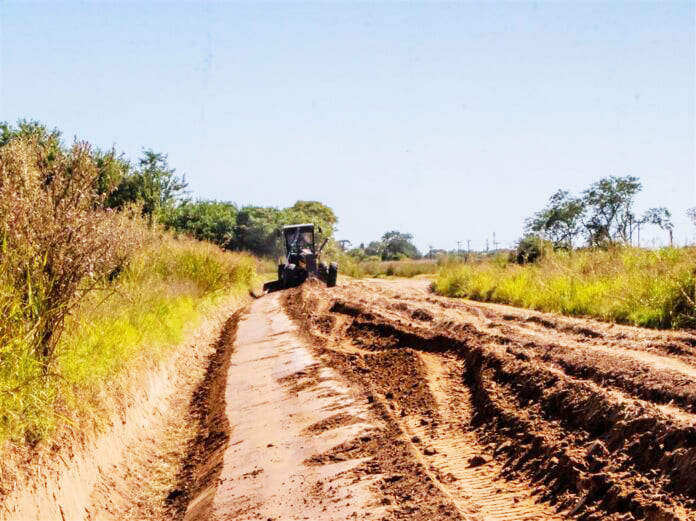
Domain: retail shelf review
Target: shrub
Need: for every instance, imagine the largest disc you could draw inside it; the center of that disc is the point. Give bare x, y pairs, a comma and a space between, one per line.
530, 248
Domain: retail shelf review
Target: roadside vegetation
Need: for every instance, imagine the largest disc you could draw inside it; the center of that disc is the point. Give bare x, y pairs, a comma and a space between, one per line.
402, 268
91, 286
653, 288
577, 258
394, 255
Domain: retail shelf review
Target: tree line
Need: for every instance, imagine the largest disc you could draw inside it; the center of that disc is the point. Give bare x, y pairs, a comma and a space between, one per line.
162, 197
393, 245
601, 216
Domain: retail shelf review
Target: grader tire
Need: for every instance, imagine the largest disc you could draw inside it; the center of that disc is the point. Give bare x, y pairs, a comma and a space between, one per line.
332, 276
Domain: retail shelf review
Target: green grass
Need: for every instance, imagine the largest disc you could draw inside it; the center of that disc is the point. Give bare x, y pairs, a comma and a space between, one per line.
136, 320
401, 268
652, 288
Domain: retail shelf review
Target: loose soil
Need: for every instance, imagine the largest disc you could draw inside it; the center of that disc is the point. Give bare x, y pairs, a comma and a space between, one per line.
377, 400
516, 414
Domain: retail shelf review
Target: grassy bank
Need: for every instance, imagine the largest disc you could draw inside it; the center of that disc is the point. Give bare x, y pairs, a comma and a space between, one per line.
402, 268
653, 288
132, 321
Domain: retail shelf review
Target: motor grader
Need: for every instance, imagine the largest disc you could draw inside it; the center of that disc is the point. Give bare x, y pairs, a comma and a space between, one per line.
302, 260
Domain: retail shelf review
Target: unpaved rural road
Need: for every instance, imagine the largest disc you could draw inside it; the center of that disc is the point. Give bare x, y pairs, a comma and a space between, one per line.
378, 400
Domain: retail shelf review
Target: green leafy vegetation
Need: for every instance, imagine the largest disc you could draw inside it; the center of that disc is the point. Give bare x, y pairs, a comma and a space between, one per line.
249, 228
393, 245
603, 215
153, 184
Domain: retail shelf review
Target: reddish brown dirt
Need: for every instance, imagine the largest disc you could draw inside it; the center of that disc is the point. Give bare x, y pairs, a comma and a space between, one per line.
505, 413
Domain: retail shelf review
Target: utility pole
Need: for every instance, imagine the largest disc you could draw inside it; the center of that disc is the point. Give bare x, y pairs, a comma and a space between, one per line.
468, 249
486, 245
639, 235
495, 244
430, 251
459, 244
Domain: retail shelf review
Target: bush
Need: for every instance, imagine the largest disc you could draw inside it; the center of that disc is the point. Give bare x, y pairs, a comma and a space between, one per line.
530, 249
205, 220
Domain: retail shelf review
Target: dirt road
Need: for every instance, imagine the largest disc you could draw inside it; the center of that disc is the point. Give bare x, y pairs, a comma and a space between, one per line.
379, 400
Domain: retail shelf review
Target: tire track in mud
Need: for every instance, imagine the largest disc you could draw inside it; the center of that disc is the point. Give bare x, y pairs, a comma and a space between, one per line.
420, 410
475, 480
652, 378
589, 443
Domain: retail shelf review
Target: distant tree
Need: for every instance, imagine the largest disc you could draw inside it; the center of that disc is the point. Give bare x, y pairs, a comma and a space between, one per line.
397, 245
529, 249
691, 214
609, 204
205, 220
112, 169
257, 230
560, 222
153, 184
374, 249
313, 212
49, 140
661, 217
358, 253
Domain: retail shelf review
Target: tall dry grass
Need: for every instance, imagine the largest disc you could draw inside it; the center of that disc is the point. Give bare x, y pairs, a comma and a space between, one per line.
58, 243
86, 292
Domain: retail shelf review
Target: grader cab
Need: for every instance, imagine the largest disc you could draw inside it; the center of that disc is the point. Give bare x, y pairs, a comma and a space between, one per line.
302, 260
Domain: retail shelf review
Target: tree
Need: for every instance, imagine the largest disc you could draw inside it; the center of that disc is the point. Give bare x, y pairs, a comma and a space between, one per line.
205, 220
154, 185
397, 245
661, 217
560, 222
374, 249
112, 170
257, 230
530, 249
48, 140
609, 203
319, 214
691, 214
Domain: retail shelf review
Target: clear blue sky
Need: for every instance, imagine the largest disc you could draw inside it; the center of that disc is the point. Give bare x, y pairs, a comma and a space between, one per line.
450, 121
